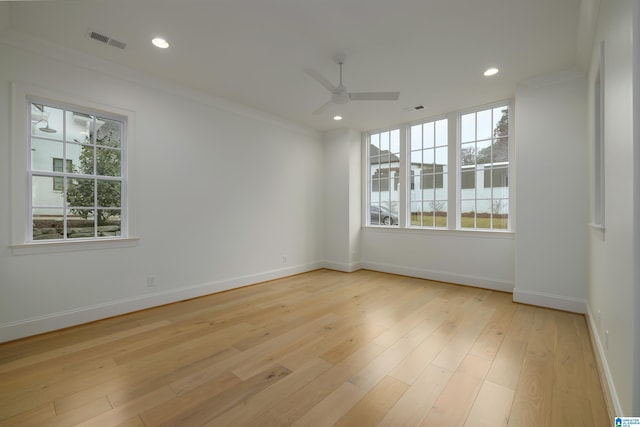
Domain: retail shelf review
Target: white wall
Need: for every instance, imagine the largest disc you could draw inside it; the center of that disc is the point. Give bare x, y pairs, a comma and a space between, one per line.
552, 191
342, 192
222, 195
613, 257
466, 257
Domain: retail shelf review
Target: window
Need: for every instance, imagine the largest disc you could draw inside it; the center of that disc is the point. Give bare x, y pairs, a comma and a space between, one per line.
384, 177
484, 168
428, 143
58, 167
81, 152
473, 195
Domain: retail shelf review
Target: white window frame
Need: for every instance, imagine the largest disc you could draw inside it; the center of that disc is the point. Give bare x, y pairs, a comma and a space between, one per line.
21, 226
598, 147
453, 176
458, 219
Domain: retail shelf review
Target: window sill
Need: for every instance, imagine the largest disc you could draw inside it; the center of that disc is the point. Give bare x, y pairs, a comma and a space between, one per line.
471, 233
70, 246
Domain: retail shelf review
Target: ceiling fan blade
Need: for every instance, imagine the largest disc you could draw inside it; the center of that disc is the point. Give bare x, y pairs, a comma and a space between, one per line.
323, 107
374, 96
320, 79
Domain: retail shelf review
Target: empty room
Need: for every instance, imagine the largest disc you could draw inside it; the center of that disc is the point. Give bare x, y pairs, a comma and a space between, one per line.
319, 213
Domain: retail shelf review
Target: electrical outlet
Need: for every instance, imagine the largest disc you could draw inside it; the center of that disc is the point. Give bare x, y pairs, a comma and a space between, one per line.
606, 340
284, 259
151, 281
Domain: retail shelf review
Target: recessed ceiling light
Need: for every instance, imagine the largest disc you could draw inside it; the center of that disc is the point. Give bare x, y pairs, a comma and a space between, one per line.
491, 72
160, 42
337, 118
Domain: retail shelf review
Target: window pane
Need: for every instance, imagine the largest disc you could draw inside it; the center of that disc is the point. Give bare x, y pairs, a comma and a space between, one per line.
428, 156
107, 162
442, 155
442, 132
375, 141
500, 121
42, 151
500, 213
416, 213
109, 133
46, 122
484, 152
500, 150
484, 124
483, 213
467, 213
416, 137
80, 193
468, 154
48, 224
428, 135
440, 210
384, 141
395, 142
111, 227
80, 223
468, 179
109, 194
468, 127
43, 193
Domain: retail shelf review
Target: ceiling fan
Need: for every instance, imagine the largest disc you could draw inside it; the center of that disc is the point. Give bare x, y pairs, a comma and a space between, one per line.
340, 95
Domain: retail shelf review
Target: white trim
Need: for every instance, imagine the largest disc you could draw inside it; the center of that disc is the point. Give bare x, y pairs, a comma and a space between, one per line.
341, 266
64, 319
606, 379
558, 302
19, 155
48, 247
442, 276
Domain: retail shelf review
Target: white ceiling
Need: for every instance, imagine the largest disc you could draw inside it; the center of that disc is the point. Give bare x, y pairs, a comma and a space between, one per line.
254, 52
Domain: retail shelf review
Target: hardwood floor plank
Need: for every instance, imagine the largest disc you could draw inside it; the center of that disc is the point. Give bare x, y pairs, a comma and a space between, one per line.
492, 406
454, 403
375, 404
506, 366
246, 411
416, 402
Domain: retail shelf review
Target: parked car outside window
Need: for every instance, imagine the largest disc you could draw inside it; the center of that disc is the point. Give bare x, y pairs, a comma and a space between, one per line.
380, 215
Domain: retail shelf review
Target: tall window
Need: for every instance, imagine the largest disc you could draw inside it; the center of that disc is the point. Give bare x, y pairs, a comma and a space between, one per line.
429, 167
384, 177
75, 171
484, 168
411, 184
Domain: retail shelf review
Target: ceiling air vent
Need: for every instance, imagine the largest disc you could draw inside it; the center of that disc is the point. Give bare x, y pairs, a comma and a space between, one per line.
107, 40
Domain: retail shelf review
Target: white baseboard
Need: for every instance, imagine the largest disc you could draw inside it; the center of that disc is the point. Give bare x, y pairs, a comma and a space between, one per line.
606, 380
341, 266
54, 321
558, 302
442, 276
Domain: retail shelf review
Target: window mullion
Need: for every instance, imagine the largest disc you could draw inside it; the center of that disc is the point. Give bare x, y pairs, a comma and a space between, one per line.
453, 172
404, 162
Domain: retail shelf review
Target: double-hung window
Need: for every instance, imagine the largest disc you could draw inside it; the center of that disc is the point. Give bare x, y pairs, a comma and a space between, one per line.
69, 183
75, 172
413, 180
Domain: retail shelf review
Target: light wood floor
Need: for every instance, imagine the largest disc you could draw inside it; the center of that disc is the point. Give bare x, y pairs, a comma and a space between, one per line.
322, 348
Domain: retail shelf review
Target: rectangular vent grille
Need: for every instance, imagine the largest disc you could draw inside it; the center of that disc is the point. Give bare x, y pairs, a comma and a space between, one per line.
107, 40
